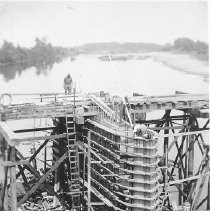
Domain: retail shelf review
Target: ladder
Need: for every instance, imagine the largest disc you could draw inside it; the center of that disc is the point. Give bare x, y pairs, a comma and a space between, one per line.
73, 156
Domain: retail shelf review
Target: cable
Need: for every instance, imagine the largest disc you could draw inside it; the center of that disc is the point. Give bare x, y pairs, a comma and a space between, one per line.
121, 91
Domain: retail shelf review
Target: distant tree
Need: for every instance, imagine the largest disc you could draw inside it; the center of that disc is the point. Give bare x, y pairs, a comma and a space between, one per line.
8, 53
184, 44
201, 47
167, 47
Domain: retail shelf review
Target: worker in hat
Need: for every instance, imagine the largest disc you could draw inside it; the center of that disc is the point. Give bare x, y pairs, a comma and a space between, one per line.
140, 130
67, 84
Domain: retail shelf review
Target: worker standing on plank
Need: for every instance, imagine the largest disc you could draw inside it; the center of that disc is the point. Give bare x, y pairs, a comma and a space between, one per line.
67, 84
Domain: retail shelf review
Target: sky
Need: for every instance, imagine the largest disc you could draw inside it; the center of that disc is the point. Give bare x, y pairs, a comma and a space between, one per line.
73, 23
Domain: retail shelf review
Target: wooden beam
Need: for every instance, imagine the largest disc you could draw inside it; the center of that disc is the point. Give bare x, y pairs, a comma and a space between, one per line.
177, 185
14, 163
24, 177
19, 140
4, 192
33, 129
165, 150
13, 188
7, 133
101, 197
46, 187
34, 188
198, 189
177, 135
13, 140
89, 170
184, 134
191, 149
97, 203
187, 179
208, 193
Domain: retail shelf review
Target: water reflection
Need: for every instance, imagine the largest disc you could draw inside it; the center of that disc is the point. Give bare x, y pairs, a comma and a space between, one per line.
90, 74
9, 71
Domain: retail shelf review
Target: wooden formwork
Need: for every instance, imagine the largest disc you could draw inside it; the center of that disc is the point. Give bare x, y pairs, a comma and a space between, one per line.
117, 170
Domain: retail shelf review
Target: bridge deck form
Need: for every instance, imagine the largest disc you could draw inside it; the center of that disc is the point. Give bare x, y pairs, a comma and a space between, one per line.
56, 107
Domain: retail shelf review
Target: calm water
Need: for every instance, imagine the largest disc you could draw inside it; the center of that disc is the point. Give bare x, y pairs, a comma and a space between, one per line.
92, 75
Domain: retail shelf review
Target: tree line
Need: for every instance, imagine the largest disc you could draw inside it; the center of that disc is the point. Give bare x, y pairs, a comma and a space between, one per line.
41, 52
186, 45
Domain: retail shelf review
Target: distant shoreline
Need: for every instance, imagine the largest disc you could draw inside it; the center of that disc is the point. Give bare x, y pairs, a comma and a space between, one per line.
178, 61
181, 62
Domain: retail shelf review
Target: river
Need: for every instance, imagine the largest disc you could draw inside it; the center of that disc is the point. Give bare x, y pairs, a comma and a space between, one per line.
147, 76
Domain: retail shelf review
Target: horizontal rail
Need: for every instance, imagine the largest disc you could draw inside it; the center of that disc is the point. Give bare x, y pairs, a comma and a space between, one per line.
12, 163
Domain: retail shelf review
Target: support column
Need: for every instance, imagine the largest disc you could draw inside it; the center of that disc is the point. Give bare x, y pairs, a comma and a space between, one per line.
208, 193
191, 149
165, 151
56, 185
180, 170
3, 170
89, 171
4, 191
45, 158
13, 189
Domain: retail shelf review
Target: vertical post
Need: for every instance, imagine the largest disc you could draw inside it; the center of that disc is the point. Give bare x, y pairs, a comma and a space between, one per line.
4, 191
191, 149
56, 186
74, 89
33, 149
45, 158
2, 169
89, 171
180, 170
13, 189
180, 176
83, 187
167, 114
187, 153
208, 193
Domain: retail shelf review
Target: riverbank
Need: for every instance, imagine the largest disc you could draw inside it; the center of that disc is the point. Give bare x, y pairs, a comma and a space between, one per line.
180, 62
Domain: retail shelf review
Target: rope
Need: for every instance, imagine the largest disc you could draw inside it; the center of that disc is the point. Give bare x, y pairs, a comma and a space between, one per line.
121, 91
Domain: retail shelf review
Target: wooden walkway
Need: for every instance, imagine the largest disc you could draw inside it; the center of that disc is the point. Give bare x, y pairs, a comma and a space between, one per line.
56, 105
178, 101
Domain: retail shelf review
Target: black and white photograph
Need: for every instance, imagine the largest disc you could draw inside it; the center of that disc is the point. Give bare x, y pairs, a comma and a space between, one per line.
104, 105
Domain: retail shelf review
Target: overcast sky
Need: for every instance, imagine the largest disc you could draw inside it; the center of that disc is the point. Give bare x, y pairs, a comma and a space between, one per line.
73, 23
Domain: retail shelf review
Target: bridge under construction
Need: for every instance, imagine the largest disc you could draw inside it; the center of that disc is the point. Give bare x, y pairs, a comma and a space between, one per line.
93, 160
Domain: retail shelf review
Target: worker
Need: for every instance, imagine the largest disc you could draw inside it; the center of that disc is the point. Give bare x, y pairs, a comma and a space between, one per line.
67, 84
140, 130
